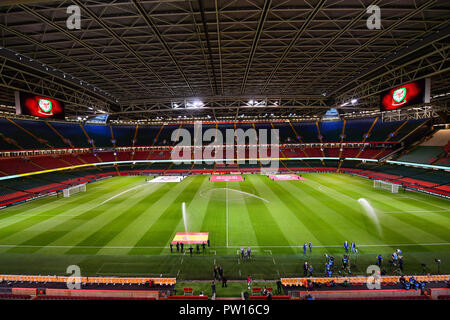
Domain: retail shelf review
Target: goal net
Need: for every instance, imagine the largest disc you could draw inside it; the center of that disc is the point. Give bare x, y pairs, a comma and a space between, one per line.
75, 189
384, 185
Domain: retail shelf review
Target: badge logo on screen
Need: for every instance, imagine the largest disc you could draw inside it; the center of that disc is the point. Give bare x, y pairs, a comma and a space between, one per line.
399, 96
45, 107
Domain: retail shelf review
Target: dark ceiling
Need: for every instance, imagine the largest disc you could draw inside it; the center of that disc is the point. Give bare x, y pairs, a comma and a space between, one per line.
151, 58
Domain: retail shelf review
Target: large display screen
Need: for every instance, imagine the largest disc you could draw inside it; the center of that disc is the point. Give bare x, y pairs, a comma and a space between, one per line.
38, 106
406, 95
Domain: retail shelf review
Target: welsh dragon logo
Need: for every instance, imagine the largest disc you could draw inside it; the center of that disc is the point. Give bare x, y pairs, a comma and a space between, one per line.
399, 96
45, 107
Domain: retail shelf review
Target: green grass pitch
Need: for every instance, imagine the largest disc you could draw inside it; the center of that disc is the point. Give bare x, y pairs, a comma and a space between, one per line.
123, 226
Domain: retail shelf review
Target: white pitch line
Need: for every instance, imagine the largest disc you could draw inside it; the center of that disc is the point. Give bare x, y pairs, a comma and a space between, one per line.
227, 212
117, 195
248, 194
431, 204
324, 189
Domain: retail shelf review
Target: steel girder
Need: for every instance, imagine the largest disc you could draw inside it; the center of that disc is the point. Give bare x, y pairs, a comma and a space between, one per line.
151, 53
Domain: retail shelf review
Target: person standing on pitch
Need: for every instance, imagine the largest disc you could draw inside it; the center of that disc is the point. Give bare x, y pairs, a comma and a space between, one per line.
249, 281
242, 252
310, 247
213, 288
224, 282
190, 250
178, 247
344, 261
249, 252
305, 269
182, 246
353, 246
171, 248
346, 246
379, 260
215, 272
220, 272
304, 248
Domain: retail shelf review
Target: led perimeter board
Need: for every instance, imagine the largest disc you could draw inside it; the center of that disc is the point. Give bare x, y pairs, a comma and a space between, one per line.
406, 95
38, 106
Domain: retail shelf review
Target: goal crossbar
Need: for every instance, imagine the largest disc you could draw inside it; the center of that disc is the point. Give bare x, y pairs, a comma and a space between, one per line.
75, 189
384, 185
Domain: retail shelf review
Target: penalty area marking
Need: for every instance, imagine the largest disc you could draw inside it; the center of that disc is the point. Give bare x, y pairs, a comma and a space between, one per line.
118, 195
324, 189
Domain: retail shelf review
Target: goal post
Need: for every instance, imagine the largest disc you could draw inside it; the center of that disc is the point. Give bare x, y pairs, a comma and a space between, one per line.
384, 185
75, 189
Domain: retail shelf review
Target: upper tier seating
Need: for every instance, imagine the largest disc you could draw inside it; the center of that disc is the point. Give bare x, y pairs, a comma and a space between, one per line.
73, 133
420, 154
41, 135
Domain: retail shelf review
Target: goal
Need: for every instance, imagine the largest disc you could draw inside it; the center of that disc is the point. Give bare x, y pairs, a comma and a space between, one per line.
75, 189
384, 185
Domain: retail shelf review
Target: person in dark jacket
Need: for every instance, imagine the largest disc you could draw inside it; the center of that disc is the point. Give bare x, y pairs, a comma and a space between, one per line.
220, 272
224, 282
305, 269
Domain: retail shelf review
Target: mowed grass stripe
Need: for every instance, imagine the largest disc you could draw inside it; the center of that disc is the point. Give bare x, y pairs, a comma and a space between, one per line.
104, 231
51, 230
391, 201
344, 214
129, 236
240, 228
160, 232
394, 226
289, 219
301, 204
195, 212
139, 226
110, 212
48, 207
214, 220
389, 235
428, 202
265, 226
28, 227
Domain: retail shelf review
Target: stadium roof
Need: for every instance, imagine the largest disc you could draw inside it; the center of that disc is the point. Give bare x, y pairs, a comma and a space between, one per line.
139, 59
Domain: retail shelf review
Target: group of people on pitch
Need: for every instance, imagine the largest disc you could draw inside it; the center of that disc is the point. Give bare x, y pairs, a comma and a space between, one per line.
246, 254
180, 247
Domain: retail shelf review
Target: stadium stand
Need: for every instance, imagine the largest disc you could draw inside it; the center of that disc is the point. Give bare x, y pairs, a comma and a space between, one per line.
303, 140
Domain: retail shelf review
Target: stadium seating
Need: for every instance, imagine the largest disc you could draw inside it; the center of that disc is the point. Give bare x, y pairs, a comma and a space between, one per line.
26, 134
421, 154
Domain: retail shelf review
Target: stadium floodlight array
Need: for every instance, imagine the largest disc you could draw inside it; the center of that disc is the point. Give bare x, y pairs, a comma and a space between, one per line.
73, 190
384, 185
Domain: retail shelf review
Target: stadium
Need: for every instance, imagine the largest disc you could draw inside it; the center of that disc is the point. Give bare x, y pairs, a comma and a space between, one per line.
224, 150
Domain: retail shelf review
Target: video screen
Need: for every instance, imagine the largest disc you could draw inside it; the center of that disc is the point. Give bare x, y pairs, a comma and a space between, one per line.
38, 106
405, 95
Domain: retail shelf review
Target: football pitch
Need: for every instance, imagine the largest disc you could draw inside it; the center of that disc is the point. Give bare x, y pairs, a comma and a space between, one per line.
123, 227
